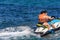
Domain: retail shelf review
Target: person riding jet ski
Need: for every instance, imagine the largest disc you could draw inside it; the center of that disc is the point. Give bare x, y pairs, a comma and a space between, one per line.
44, 19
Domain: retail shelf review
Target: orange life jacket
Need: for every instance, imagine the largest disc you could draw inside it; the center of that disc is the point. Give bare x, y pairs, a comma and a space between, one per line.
42, 18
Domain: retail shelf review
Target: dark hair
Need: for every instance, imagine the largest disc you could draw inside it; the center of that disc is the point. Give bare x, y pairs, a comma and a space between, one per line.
43, 12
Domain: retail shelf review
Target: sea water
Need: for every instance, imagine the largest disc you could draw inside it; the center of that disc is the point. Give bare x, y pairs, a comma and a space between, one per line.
18, 17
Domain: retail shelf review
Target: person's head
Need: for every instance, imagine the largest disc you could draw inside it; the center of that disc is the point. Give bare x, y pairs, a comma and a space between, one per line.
44, 12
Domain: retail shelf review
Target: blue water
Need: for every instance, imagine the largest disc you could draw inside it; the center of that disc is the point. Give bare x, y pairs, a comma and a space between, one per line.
17, 13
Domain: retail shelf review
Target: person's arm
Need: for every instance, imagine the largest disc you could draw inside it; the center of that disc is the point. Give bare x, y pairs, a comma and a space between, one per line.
48, 17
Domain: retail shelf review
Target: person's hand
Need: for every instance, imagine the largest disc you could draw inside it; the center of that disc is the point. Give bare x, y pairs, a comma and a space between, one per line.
52, 17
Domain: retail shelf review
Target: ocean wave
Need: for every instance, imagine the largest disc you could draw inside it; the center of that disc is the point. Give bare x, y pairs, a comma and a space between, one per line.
23, 32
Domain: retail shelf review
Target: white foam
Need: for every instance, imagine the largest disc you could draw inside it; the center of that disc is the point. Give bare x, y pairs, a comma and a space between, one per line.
17, 31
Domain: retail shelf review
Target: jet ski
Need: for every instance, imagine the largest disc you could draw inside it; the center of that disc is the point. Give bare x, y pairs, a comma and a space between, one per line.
43, 31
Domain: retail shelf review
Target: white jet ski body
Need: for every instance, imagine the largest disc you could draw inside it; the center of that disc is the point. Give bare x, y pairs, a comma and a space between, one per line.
44, 31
